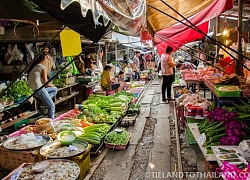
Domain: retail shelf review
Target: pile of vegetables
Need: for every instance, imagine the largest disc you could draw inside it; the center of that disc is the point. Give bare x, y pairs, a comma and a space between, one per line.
59, 83
214, 131
134, 108
94, 134
18, 90
242, 110
235, 129
105, 109
117, 138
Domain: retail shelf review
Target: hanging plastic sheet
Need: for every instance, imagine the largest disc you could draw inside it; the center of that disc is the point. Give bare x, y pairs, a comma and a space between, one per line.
91, 5
178, 40
213, 10
128, 15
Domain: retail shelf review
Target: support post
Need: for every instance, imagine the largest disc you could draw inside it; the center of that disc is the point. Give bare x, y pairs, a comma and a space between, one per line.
115, 56
238, 69
105, 57
217, 29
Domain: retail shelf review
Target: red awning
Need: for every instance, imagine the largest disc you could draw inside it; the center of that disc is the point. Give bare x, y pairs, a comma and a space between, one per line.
179, 40
184, 34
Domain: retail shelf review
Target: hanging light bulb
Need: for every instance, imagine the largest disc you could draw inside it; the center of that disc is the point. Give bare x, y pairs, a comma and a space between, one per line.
225, 31
227, 42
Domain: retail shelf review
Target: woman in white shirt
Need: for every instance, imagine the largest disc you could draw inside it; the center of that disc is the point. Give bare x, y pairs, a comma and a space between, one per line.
37, 76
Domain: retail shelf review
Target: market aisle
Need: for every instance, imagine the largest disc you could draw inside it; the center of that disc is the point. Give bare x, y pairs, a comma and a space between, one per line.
149, 148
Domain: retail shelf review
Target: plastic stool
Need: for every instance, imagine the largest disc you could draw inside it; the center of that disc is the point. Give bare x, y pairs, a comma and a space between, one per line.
110, 92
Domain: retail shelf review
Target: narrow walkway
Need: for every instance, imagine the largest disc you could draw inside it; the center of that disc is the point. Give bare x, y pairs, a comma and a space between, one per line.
149, 148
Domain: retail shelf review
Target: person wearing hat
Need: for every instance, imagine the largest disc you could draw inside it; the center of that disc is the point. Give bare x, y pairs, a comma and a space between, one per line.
108, 84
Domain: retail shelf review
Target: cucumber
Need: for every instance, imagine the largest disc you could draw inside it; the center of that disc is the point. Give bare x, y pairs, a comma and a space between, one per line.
89, 140
95, 126
92, 134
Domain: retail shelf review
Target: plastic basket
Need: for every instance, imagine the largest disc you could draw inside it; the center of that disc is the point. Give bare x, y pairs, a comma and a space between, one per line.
119, 147
11, 160
235, 93
115, 146
83, 161
136, 94
190, 137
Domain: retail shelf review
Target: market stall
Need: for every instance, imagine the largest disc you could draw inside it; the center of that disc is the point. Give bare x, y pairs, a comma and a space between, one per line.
72, 137
219, 128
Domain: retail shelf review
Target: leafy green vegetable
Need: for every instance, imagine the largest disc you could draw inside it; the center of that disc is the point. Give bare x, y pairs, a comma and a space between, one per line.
117, 138
19, 89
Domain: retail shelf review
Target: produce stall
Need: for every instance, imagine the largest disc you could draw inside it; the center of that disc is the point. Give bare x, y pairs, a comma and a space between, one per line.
72, 137
195, 78
10, 100
220, 125
223, 137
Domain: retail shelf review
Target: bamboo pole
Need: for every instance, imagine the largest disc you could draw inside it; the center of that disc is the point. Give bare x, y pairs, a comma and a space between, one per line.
238, 67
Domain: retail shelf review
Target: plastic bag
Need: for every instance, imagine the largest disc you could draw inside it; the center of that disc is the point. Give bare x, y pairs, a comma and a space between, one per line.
182, 82
244, 148
200, 66
160, 73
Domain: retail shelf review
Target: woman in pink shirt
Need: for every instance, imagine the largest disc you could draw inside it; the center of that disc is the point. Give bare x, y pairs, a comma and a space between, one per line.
167, 65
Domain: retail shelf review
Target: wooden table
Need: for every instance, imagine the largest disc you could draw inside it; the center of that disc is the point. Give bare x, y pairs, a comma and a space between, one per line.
193, 82
8, 124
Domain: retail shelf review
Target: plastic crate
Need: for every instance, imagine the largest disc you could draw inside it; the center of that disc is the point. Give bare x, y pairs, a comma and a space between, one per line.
235, 93
96, 148
119, 147
11, 160
20, 123
129, 119
190, 137
83, 161
115, 146
21, 99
